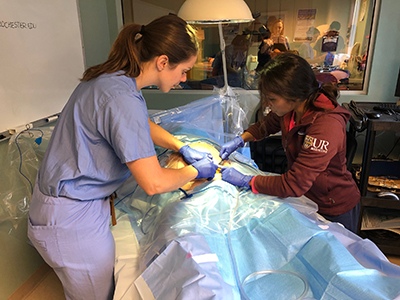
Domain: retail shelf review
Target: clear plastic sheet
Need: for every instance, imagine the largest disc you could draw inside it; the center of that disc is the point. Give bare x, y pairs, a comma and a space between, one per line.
19, 167
204, 115
219, 117
260, 244
208, 211
25, 149
204, 209
173, 224
282, 255
238, 106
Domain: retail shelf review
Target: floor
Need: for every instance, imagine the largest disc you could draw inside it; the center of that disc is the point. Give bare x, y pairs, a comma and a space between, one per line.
48, 286
49, 289
42, 285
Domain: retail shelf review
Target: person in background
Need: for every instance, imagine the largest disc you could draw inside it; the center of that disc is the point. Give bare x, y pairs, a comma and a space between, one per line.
306, 51
102, 137
235, 55
270, 22
334, 28
264, 50
313, 127
274, 42
278, 37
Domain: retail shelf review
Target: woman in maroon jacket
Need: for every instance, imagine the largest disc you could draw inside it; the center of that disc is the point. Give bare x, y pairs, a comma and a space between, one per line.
313, 127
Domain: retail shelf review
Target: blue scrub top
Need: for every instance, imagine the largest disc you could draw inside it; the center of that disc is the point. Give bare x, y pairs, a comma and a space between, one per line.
103, 126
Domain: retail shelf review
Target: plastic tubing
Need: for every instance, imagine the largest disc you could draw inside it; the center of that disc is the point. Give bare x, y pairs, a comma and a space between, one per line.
303, 279
20, 153
249, 277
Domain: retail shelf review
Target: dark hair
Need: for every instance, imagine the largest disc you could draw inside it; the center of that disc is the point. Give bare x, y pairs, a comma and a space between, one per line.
240, 40
168, 35
291, 77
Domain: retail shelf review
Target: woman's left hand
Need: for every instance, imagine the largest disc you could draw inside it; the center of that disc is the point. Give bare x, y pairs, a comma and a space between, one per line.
191, 155
234, 177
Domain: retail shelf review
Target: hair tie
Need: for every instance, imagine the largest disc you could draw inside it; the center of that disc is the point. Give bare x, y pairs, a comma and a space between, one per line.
320, 86
141, 30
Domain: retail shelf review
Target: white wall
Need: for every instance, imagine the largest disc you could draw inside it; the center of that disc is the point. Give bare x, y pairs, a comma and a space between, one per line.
101, 20
144, 13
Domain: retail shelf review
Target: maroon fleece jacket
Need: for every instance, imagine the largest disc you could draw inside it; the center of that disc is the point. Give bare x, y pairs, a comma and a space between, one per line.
316, 153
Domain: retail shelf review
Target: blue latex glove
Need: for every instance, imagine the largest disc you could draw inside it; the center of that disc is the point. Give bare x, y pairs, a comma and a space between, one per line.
191, 155
205, 168
234, 177
230, 146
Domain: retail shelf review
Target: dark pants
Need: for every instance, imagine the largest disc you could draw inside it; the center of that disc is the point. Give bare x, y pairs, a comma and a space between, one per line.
348, 219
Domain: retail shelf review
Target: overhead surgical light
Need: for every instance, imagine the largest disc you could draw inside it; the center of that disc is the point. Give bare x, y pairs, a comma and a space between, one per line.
216, 12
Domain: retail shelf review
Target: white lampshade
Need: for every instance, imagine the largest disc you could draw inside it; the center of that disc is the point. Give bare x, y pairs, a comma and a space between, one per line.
215, 11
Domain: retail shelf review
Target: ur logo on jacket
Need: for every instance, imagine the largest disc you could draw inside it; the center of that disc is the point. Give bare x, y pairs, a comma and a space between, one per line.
315, 144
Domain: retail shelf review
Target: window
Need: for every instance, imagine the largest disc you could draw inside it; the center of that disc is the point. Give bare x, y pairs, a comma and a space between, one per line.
332, 35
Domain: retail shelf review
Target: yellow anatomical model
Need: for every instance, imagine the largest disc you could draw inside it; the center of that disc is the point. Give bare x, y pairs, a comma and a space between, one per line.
176, 161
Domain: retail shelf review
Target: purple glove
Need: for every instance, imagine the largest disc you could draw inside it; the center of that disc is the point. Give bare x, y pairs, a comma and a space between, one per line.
234, 177
191, 155
205, 168
231, 146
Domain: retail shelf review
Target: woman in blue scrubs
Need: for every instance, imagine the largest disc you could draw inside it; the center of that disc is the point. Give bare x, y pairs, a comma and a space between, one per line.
102, 137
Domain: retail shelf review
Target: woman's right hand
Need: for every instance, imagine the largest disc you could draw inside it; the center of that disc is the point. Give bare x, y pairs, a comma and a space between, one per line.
269, 42
205, 168
231, 146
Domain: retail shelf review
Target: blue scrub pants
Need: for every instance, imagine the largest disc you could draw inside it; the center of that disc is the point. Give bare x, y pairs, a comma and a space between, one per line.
74, 238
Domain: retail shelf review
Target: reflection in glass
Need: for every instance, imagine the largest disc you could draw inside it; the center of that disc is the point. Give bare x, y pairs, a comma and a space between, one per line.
334, 38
